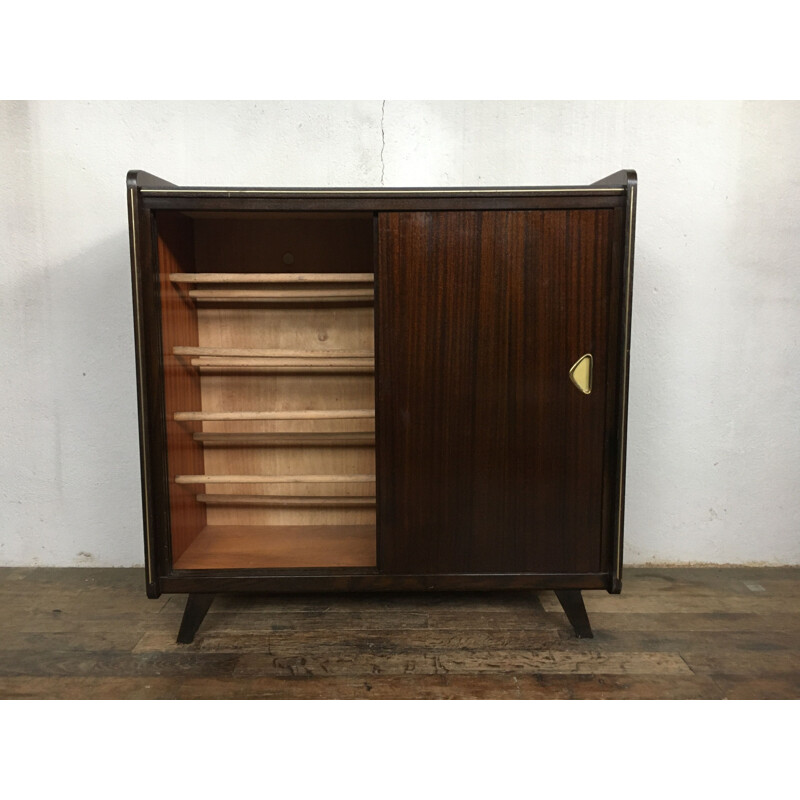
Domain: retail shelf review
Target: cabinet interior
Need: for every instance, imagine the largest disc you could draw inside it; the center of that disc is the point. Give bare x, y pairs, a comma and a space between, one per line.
268, 349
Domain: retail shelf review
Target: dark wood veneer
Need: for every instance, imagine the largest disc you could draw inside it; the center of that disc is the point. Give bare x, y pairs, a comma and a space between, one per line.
493, 470
495, 460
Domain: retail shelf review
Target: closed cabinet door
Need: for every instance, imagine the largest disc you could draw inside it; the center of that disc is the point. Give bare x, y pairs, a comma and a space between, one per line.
490, 456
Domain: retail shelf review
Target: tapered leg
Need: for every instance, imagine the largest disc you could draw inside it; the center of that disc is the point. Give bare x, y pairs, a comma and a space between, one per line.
572, 602
195, 612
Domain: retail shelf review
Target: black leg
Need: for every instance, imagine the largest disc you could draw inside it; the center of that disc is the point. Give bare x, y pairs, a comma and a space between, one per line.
196, 607
572, 602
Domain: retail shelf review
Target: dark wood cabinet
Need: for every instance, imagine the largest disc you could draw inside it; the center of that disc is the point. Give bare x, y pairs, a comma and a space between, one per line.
408, 389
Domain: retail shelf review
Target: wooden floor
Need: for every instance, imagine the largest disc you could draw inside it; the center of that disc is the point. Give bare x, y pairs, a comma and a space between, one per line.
672, 633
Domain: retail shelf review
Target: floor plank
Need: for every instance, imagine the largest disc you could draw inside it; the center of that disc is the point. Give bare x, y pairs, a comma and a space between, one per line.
673, 633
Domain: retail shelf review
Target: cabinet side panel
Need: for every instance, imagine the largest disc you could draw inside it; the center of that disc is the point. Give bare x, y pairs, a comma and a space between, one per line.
181, 384
614, 377
623, 344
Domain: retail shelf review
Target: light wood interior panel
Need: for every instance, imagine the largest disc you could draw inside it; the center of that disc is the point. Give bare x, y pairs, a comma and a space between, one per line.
283, 362
348, 329
251, 547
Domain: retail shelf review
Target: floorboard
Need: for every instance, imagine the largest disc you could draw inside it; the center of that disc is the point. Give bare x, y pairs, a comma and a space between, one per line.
673, 633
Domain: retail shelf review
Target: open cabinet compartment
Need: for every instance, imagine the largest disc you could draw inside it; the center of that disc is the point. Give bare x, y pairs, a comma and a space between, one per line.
267, 339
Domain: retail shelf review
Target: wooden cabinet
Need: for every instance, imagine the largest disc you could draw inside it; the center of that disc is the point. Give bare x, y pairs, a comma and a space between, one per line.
408, 389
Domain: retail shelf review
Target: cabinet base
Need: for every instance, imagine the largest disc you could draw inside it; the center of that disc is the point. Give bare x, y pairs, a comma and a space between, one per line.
571, 600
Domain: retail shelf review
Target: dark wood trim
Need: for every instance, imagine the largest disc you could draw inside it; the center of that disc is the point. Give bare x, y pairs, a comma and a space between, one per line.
613, 335
157, 423
377, 203
144, 180
620, 179
146, 372
598, 188
376, 327
255, 582
625, 308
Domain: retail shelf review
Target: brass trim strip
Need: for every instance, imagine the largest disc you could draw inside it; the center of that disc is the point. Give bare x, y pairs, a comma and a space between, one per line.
142, 407
625, 370
391, 192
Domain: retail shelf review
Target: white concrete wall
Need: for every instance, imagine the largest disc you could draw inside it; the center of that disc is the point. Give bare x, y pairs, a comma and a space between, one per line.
714, 434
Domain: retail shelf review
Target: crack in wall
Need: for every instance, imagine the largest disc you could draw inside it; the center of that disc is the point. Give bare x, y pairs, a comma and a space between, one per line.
383, 140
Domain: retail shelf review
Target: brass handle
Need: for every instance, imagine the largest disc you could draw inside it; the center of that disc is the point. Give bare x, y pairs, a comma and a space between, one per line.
581, 373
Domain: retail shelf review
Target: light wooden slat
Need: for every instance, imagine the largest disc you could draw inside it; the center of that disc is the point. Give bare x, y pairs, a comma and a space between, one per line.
222, 416
311, 369
267, 363
285, 501
185, 479
272, 277
255, 352
281, 294
316, 439
298, 300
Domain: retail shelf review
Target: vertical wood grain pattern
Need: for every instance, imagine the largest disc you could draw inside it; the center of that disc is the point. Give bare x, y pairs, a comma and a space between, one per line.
181, 385
489, 459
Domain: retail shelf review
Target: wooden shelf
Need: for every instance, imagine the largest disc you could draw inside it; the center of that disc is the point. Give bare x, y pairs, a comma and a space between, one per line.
272, 277
253, 352
287, 501
280, 546
305, 439
227, 416
297, 296
260, 365
276, 361
188, 479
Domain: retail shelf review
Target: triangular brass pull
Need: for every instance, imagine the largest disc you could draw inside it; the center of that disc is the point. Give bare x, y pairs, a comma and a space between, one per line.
581, 373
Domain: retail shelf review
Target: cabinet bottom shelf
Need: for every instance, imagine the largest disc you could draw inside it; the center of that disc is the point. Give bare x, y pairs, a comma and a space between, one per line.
280, 546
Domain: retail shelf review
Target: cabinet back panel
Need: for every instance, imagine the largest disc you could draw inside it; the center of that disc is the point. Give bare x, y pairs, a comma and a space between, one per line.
262, 243
298, 329
489, 459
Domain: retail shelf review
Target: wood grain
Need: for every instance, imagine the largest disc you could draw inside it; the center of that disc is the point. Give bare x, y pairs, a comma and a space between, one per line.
274, 479
286, 501
255, 352
496, 460
307, 296
284, 546
225, 416
286, 403
315, 243
89, 633
271, 277
327, 438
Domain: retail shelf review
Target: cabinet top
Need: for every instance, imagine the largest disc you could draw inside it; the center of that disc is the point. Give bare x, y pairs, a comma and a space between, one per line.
157, 192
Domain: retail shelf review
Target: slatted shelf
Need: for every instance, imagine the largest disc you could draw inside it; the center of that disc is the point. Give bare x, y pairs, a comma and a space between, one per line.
271, 277
228, 416
287, 501
305, 439
189, 479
